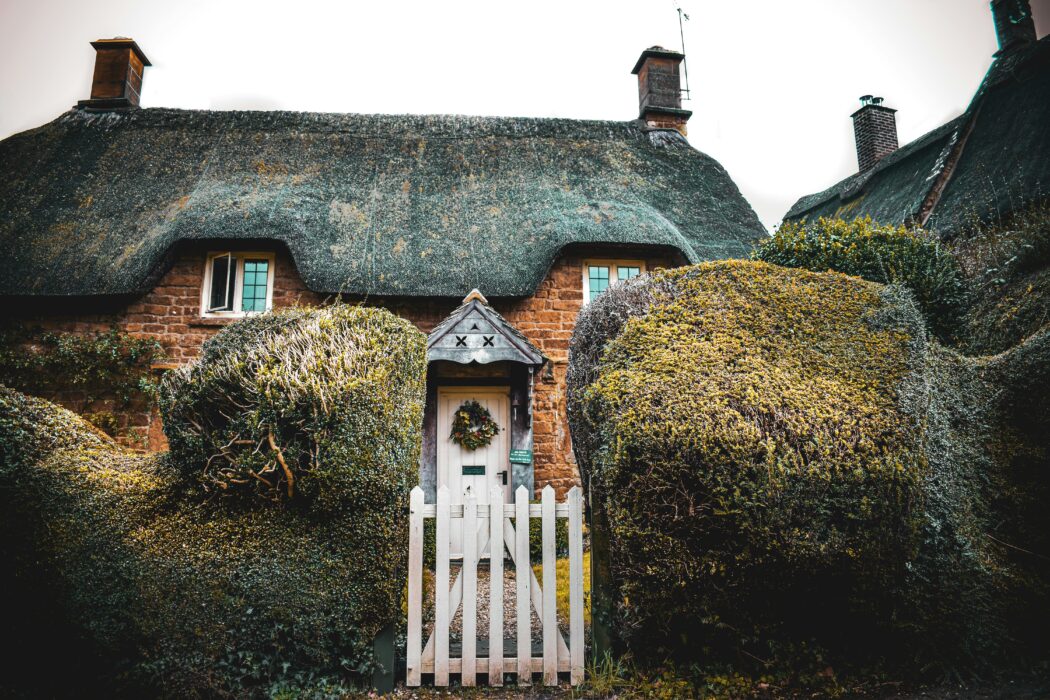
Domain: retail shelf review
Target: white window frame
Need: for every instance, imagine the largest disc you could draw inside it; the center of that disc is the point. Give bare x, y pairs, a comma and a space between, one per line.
238, 289
614, 272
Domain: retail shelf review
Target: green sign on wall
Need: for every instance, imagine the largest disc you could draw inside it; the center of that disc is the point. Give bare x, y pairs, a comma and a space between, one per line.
521, 456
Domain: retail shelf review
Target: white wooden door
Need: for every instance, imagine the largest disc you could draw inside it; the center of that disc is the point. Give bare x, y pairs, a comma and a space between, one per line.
473, 471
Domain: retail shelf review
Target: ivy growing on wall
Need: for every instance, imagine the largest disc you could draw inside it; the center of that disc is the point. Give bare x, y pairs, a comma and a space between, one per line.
109, 364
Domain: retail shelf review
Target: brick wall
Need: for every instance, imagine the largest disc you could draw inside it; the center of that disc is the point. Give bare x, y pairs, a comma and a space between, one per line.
171, 314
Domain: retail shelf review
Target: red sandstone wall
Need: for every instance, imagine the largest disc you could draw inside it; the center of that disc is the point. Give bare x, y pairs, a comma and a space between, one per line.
171, 313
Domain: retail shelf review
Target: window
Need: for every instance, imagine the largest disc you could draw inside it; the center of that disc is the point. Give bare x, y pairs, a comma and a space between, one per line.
599, 274
236, 284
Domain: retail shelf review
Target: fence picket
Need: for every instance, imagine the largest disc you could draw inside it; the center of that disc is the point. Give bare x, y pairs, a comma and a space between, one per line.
550, 586
523, 576
441, 583
575, 585
496, 587
468, 674
415, 588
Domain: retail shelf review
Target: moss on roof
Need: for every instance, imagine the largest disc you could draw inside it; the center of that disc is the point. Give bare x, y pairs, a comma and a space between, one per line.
995, 157
396, 205
891, 191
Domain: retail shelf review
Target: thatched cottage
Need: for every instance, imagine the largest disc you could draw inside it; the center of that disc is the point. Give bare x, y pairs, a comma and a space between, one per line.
488, 233
988, 162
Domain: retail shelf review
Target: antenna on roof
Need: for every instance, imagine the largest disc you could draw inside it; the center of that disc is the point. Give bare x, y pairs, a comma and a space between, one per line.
685, 61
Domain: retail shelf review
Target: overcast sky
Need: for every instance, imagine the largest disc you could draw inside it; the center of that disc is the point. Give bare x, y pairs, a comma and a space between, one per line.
773, 81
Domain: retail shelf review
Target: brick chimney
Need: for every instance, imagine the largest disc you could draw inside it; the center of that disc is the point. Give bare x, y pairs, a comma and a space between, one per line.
1014, 25
117, 82
660, 89
875, 129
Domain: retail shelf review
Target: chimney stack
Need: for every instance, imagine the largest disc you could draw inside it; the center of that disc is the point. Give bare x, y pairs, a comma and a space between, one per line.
660, 89
117, 82
1014, 25
875, 129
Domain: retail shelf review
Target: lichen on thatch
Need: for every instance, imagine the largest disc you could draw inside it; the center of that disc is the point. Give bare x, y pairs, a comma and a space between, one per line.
786, 468
139, 584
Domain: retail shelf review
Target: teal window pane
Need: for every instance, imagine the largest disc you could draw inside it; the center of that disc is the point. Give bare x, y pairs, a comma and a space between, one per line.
597, 279
624, 273
253, 292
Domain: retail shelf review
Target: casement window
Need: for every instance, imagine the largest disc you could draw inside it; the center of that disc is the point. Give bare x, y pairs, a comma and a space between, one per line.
599, 275
237, 283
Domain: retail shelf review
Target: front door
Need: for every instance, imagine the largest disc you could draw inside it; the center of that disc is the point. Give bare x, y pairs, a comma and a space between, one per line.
474, 472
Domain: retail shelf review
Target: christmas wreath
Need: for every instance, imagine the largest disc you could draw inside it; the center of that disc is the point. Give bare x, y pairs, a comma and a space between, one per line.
473, 426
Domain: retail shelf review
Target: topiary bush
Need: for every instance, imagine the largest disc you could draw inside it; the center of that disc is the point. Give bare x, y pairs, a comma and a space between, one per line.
908, 256
138, 580
784, 473
313, 405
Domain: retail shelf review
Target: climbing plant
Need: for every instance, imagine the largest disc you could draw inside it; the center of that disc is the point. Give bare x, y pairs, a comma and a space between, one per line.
107, 364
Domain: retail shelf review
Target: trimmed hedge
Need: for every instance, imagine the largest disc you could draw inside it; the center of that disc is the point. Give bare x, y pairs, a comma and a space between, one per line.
152, 585
785, 473
911, 257
311, 405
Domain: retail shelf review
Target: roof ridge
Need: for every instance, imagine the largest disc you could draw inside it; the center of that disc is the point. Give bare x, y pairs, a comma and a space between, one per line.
361, 124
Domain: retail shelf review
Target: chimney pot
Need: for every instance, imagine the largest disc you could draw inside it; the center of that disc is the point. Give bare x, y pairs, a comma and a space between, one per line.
1014, 25
660, 89
117, 81
875, 129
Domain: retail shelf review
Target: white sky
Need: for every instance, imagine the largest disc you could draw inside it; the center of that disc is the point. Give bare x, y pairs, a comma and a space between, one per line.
773, 81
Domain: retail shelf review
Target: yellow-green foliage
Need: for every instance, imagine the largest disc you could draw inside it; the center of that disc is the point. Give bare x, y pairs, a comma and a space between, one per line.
307, 404
903, 255
128, 578
562, 594
779, 473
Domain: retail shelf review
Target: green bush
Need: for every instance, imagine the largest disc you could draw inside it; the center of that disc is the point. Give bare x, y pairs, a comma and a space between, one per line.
309, 405
900, 255
135, 585
784, 474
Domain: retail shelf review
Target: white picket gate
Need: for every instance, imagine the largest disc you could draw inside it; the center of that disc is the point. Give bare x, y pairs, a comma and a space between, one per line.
557, 656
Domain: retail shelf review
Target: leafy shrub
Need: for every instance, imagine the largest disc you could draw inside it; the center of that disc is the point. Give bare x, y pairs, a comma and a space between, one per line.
137, 586
310, 404
783, 471
907, 256
561, 538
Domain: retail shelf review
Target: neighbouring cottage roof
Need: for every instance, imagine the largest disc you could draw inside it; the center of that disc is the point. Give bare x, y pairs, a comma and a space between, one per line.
982, 164
93, 203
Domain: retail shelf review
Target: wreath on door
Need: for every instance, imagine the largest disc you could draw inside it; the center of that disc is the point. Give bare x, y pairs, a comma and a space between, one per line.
473, 426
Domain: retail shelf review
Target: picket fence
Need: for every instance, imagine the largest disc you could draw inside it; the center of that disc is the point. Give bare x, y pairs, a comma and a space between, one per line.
557, 656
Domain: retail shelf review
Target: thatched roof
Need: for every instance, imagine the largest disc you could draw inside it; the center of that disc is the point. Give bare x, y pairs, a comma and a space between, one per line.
981, 165
94, 203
